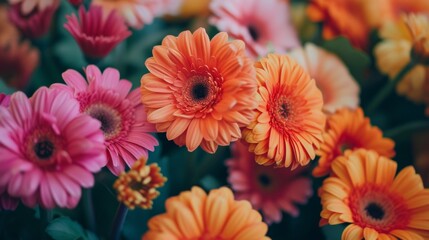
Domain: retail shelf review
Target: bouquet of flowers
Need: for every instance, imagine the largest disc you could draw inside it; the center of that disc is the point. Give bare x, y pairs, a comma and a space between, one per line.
214, 119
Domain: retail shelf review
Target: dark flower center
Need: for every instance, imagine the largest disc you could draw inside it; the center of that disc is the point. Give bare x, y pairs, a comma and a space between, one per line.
375, 211
136, 186
108, 117
284, 110
254, 33
264, 180
44, 149
200, 91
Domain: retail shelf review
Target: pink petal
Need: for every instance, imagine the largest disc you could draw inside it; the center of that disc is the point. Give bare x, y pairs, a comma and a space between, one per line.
57, 191
31, 181
20, 107
79, 175
45, 195
75, 80
123, 88
15, 185
110, 78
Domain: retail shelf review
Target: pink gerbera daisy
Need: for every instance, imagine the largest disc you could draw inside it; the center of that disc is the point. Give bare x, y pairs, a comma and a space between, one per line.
49, 149
338, 87
96, 34
250, 21
36, 23
123, 118
269, 189
4, 100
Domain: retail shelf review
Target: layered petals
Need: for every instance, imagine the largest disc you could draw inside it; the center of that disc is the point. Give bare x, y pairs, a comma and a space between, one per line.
199, 91
96, 34
364, 192
248, 20
339, 88
271, 190
197, 215
50, 150
350, 129
287, 127
109, 99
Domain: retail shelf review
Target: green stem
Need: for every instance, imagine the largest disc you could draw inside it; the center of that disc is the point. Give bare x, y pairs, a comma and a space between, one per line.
46, 217
88, 208
118, 221
386, 90
406, 129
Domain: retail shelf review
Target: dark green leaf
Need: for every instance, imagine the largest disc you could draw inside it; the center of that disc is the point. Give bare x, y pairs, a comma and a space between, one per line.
64, 228
357, 61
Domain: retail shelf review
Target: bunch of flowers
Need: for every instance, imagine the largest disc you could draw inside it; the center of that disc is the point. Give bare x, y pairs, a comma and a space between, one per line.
270, 119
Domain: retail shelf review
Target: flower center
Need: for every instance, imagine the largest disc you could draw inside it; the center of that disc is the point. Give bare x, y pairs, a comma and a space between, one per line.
254, 33
375, 211
375, 207
44, 149
282, 110
200, 91
109, 118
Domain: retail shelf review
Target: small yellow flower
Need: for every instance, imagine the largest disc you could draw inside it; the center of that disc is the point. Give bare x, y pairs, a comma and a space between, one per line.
402, 41
137, 187
419, 28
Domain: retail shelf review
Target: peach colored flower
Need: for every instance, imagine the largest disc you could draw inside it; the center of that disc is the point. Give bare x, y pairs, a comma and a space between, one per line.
353, 19
199, 91
196, 215
401, 39
288, 125
339, 88
350, 129
364, 193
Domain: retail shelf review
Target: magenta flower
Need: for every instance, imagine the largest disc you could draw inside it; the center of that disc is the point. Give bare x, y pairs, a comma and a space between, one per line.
96, 34
49, 149
267, 188
4, 100
33, 24
262, 25
123, 118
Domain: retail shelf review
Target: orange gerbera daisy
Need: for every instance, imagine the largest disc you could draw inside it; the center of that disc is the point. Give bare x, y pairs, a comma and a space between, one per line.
352, 18
350, 129
199, 91
288, 125
195, 215
364, 191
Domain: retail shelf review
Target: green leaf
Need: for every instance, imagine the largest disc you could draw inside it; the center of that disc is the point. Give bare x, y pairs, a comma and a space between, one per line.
333, 232
355, 60
91, 236
64, 228
209, 182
